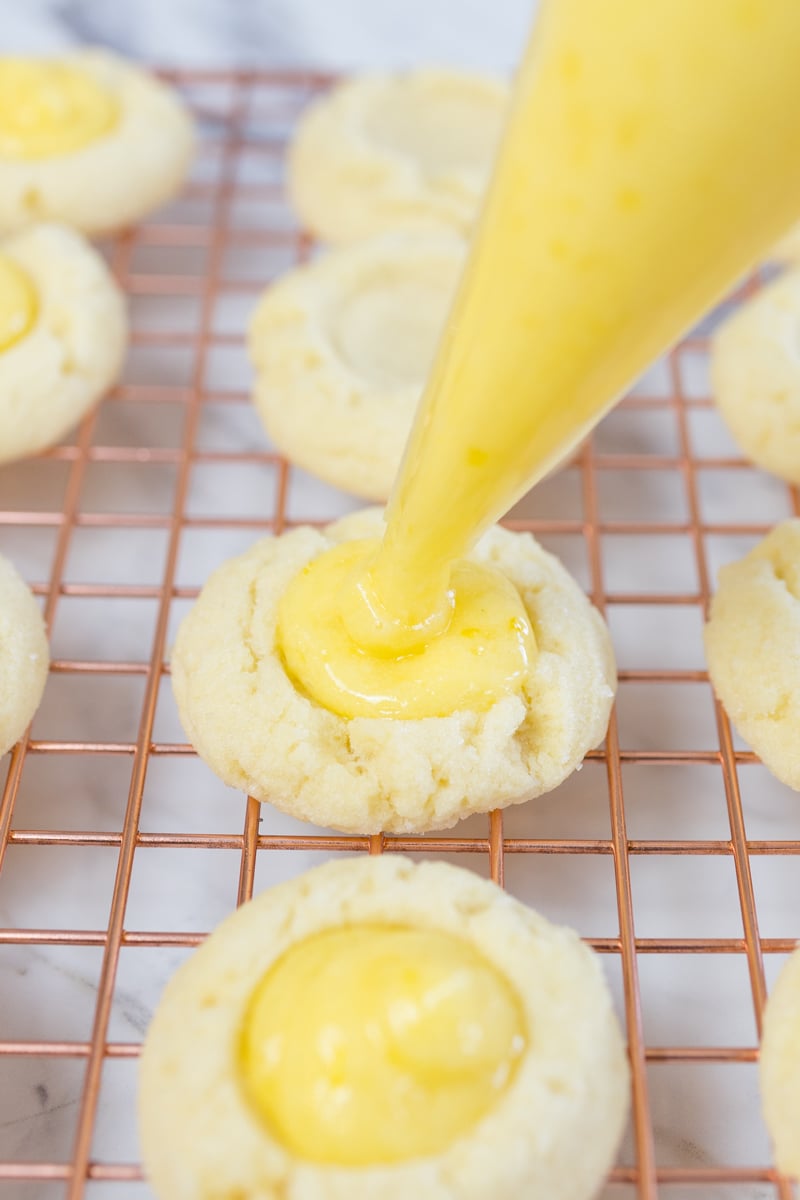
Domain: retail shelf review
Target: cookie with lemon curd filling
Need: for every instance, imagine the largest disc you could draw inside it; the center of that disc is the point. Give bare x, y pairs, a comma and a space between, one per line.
342, 347
378, 1028
387, 152
87, 139
63, 336
24, 656
260, 732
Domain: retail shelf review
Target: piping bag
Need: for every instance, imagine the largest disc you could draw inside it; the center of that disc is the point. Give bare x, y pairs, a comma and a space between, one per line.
651, 156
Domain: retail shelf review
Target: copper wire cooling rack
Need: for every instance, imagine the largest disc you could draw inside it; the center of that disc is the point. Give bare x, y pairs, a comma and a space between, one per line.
673, 851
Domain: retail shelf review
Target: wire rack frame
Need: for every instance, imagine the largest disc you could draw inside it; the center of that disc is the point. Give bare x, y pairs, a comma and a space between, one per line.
234, 127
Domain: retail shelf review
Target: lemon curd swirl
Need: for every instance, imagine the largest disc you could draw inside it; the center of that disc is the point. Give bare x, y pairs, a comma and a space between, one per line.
484, 652
18, 303
377, 1044
49, 109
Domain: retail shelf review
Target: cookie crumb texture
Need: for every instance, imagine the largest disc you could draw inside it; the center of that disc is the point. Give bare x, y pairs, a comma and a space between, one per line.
259, 734
752, 642
552, 1133
342, 347
755, 375
24, 656
74, 351
780, 1067
386, 152
118, 177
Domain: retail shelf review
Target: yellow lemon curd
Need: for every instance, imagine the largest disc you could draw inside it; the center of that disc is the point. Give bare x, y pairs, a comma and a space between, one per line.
652, 152
486, 652
49, 109
377, 1044
18, 303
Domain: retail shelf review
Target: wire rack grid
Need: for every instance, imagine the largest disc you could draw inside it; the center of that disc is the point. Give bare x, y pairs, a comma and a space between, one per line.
673, 851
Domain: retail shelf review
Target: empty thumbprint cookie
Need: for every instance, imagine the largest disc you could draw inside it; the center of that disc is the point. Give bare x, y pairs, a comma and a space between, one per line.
342, 348
24, 656
376, 1028
780, 1067
755, 374
389, 152
238, 676
751, 642
87, 139
63, 335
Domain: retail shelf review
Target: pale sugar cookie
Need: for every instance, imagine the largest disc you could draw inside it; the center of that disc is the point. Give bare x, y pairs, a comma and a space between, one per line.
246, 718
24, 656
389, 152
752, 640
780, 1067
63, 336
755, 374
376, 1028
87, 139
342, 348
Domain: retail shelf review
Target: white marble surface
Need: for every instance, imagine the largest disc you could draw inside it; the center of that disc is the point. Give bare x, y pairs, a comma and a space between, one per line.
334, 34
704, 1114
